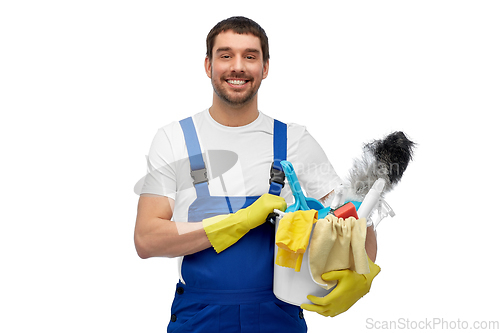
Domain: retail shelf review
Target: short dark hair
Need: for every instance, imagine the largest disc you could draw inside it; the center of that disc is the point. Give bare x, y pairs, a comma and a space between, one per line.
240, 25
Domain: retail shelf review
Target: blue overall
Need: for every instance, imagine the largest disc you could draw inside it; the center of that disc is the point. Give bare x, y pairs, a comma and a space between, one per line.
231, 291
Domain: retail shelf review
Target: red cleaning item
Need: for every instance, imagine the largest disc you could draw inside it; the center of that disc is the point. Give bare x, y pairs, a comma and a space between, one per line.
345, 211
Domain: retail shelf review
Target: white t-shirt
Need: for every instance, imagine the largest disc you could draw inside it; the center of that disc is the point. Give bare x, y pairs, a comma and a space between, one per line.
238, 160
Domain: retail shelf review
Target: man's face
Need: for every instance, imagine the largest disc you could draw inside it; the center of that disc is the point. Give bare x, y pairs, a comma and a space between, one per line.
237, 67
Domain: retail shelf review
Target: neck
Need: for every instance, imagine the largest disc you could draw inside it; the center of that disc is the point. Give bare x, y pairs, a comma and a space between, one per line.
234, 116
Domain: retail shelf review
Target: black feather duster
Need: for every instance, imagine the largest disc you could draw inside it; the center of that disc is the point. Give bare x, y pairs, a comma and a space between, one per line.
387, 158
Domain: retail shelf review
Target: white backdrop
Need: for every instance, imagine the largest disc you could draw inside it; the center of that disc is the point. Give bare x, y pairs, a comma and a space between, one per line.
84, 85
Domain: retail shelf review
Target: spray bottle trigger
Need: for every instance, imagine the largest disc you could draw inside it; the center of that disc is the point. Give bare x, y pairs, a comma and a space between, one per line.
387, 208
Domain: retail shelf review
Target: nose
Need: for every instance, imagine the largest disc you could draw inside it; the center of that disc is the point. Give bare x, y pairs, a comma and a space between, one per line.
238, 65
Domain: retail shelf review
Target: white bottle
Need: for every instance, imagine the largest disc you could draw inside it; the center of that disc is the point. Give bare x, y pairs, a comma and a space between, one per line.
371, 199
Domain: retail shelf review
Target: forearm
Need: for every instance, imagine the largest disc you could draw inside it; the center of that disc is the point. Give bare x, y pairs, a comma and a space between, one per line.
165, 238
371, 243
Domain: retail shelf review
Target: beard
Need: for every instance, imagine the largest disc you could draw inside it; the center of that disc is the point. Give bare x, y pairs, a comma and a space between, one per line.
235, 99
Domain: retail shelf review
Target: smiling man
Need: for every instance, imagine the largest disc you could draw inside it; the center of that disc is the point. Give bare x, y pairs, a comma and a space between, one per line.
216, 224
236, 65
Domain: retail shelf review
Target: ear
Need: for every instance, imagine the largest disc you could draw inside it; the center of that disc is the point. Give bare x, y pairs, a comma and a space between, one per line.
208, 67
265, 70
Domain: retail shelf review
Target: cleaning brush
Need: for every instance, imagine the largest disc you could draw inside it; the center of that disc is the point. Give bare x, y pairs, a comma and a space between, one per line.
387, 158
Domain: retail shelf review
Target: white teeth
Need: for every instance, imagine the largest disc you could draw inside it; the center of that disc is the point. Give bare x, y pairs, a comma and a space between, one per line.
236, 82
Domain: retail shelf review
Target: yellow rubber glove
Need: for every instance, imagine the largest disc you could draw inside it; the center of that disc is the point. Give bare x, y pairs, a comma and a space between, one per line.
225, 230
350, 288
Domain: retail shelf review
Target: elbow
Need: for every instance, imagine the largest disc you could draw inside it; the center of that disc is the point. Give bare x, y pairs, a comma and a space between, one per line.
141, 247
142, 254
146, 250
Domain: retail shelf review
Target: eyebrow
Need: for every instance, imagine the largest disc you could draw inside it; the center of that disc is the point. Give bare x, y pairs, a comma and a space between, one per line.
225, 49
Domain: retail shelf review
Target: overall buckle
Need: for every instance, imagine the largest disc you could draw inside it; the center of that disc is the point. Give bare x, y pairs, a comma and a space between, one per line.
277, 176
199, 176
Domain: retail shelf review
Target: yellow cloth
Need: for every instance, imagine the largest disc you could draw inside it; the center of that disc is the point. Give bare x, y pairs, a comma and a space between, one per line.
337, 244
292, 237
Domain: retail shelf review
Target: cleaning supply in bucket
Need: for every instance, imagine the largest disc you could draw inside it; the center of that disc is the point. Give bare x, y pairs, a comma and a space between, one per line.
301, 201
345, 211
337, 244
292, 237
372, 199
385, 159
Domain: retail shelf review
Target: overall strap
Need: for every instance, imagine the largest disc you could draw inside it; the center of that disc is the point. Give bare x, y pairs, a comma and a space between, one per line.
198, 169
277, 180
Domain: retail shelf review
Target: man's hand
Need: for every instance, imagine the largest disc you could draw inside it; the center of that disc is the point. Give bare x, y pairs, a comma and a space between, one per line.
225, 230
350, 288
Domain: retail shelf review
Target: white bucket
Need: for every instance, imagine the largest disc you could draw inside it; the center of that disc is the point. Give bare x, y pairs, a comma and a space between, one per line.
294, 287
